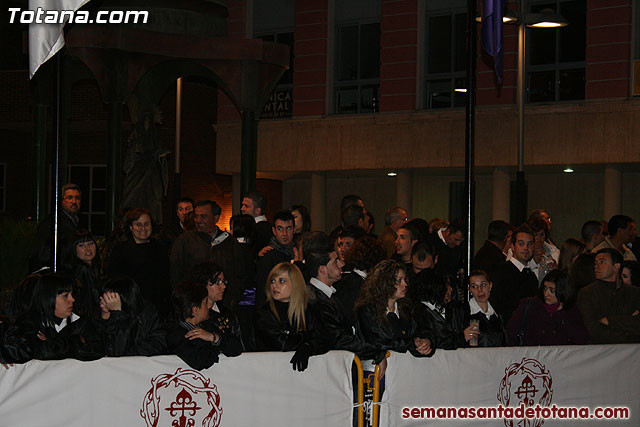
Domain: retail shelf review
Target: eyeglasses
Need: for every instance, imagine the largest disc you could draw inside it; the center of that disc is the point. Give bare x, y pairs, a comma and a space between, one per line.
219, 282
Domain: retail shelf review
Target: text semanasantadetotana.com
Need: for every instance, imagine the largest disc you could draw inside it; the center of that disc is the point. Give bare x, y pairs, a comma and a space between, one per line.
519, 412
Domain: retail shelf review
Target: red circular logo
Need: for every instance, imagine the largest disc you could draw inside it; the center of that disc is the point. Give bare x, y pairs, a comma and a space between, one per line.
184, 399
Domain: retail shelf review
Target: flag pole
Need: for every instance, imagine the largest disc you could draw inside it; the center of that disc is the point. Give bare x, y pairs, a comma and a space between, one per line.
470, 113
55, 158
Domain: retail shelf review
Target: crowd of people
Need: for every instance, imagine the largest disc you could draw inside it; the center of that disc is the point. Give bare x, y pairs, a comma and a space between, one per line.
197, 291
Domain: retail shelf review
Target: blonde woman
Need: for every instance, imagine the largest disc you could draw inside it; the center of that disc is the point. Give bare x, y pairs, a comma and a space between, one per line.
284, 322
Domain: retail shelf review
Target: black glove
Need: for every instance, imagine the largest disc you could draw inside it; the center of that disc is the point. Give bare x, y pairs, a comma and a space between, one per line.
300, 359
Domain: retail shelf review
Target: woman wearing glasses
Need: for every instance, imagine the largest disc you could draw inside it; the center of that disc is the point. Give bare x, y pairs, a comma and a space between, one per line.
222, 320
142, 258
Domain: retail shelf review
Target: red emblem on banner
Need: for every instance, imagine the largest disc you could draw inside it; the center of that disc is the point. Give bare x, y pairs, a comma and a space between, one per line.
527, 382
190, 399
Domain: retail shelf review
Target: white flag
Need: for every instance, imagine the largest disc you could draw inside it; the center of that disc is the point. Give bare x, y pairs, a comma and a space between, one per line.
45, 40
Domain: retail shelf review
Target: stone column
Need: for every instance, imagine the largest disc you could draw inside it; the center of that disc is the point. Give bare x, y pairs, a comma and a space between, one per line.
612, 192
318, 197
501, 192
404, 191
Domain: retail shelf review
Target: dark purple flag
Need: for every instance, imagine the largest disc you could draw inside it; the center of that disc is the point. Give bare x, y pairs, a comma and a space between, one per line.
492, 12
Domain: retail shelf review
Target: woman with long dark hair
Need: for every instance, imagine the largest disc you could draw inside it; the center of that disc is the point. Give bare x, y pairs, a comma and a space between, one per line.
129, 325
142, 258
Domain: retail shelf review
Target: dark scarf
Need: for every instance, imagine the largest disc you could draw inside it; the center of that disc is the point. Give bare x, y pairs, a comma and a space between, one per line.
285, 249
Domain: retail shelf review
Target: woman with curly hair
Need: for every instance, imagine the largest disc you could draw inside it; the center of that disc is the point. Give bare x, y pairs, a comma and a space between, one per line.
284, 323
383, 313
361, 257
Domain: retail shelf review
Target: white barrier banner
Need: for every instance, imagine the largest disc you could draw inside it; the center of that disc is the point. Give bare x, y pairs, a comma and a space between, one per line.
255, 389
592, 384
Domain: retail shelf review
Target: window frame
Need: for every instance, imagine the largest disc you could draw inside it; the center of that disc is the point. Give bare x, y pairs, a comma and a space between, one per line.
428, 79
359, 84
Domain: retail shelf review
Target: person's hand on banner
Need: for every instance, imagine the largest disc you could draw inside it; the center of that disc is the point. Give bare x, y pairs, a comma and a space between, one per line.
300, 359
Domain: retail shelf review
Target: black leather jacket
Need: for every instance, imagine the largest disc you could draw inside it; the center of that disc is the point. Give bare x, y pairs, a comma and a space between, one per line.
125, 335
444, 332
397, 334
227, 326
279, 335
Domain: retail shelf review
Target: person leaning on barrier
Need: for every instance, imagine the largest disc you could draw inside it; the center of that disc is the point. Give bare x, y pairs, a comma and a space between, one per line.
550, 318
384, 312
325, 268
222, 319
129, 325
49, 329
442, 322
186, 334
492, 330
284, 322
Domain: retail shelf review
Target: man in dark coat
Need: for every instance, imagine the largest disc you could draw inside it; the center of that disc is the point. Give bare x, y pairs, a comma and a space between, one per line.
446, 242
255, 204
515, 279
491, 254
610, 310
67, 226
171, 231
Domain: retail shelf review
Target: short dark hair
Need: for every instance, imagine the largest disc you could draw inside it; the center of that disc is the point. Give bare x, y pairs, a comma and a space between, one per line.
259, 200
352, 215
316, 259
421, 225
284, 216
186, 200
415, 233
521, 229
458, 225
616, 256
616, 222
349, 200
215, 208
70, 186
421, 249
498, 230
590, 229
186, 296
564, 290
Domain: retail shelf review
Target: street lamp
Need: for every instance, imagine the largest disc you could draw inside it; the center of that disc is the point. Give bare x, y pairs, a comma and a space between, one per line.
546, 18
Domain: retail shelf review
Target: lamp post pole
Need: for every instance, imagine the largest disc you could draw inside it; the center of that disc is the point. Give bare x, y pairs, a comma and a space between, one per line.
521, 189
